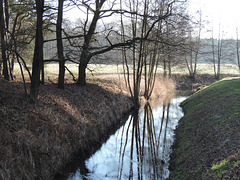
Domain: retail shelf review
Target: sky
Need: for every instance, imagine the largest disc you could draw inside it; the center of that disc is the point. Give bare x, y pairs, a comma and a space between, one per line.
224, 12
217, 12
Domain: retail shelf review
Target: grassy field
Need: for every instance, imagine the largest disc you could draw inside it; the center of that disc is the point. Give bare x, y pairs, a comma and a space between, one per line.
105, 68
51, 70
207, 139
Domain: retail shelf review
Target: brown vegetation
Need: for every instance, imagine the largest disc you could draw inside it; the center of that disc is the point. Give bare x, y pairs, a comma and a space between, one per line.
38, 139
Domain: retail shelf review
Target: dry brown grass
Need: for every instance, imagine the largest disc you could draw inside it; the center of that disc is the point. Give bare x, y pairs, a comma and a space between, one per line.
163, 87
38, 139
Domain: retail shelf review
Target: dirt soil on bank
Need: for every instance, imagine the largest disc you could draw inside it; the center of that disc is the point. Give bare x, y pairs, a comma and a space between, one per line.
207, 142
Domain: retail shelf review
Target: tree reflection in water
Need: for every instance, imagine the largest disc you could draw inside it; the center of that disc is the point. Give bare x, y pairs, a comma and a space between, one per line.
140, 149
148, 142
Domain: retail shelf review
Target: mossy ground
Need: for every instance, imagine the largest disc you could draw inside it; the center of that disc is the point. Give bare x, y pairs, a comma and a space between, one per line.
208, 138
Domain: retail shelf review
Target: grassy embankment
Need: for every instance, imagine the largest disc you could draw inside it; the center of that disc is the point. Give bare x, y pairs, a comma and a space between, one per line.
208, 136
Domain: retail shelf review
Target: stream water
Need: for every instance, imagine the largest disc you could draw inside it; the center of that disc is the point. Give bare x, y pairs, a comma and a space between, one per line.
140, 149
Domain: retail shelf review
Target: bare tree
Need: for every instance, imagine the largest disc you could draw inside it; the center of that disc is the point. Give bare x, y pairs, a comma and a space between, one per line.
19, 26
60, 45
88, 34
3, 43
89, 46
172, 35
144, 53
194, 46
217, 52
237, 49
89, 42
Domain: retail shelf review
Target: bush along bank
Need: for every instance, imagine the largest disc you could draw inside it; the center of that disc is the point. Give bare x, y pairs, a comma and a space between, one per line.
207, 142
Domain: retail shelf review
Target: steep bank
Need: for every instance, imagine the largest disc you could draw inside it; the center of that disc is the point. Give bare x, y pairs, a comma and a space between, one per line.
36, 140
207, 139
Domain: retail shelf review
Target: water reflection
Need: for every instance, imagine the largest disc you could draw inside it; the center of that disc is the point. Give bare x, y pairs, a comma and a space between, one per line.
138, 150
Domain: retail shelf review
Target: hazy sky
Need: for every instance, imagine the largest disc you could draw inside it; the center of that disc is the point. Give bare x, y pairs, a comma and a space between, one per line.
215, 11
225, 11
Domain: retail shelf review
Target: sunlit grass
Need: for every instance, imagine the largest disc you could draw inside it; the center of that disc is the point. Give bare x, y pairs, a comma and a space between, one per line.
237, 163
52, 69
221, 165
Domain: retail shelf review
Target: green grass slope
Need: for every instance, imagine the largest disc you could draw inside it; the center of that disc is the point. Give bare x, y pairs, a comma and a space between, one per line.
208, 136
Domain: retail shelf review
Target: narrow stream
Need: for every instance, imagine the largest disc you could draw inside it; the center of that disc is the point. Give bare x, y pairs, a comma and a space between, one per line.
140, 149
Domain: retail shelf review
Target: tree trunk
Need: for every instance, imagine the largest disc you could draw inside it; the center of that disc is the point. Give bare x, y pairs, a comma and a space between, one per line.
85, 55
38, 52
82, 74
219, 57
84, 59
6, 13
238, 58
61, 74
218, 68
213, 57
169, 67
237, 47
164, 65
42, 81
3, 43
